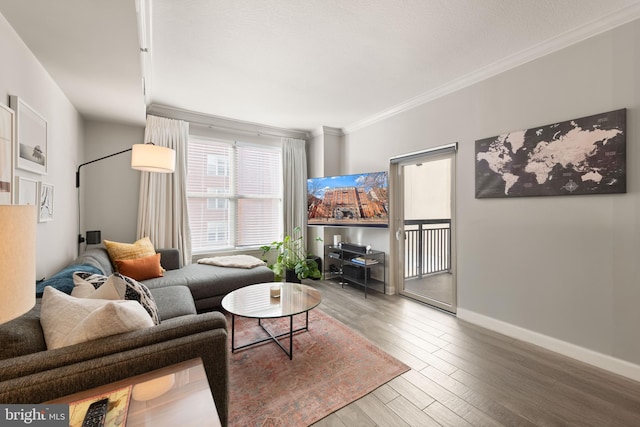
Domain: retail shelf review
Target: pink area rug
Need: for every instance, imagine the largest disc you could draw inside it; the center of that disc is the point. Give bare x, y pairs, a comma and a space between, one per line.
332, 366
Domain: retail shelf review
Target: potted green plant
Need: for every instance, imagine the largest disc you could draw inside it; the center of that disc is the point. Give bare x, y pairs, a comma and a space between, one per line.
291, 260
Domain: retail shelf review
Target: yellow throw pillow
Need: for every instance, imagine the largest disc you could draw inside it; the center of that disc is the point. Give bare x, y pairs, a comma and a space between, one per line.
140, 268
139, 249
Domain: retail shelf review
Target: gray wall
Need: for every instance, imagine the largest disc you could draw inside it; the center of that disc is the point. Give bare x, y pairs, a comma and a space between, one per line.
21, 74
561, 271
110, 188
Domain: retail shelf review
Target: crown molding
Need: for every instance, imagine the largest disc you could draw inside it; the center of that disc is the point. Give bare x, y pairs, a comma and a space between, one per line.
326, 130
564, 40
223, 123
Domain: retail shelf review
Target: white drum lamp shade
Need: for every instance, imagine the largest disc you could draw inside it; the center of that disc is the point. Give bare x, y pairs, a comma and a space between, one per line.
153, 158
17, 260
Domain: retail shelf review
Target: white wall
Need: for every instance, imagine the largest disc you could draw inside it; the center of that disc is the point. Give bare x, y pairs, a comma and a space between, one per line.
561, 271
21, 74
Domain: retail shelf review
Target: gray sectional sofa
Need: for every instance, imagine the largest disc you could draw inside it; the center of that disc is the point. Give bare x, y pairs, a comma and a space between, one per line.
208, 284
31, 373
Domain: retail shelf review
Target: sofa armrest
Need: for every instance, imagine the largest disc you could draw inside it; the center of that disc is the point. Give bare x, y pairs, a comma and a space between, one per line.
170, 258
170, 329
210, 346
50, 374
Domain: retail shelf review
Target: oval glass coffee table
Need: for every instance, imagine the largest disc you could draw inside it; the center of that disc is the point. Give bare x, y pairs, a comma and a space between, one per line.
255, 301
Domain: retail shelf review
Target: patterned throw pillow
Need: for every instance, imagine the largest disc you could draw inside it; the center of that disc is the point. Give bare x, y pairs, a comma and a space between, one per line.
138, 249
114, 287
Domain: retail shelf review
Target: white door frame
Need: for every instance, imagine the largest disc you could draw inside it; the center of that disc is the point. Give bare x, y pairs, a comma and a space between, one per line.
396, 218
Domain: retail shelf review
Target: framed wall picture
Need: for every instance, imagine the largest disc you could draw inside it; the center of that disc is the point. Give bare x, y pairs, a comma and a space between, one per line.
27, 191
46, 202
586, 155
31, 139
6, 154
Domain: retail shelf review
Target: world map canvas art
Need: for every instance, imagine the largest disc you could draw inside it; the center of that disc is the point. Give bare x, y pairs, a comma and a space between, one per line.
579, 156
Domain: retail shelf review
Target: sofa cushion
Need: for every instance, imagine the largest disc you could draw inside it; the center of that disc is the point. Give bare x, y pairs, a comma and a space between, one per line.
140, 268
63, 280
115, 287
173, 301
68, 320
138, 249
206, 281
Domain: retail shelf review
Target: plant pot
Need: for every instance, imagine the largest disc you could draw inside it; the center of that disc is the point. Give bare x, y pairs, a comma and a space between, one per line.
291, 277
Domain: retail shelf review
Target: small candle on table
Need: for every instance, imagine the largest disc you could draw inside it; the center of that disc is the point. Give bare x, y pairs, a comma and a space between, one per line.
275, 291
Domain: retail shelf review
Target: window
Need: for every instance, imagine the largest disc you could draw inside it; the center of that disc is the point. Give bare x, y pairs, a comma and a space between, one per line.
216, 202
217, 165
217, 232
234, 194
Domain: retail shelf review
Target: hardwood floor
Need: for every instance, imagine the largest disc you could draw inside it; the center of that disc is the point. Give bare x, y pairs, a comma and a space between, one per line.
438, 287
464, 375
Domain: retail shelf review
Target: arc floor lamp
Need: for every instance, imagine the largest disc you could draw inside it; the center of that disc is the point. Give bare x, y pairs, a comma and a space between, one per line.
144, 157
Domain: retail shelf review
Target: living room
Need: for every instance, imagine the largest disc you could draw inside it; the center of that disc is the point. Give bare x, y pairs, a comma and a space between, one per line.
558, 272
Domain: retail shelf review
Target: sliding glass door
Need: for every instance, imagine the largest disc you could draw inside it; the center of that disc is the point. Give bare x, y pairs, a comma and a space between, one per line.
425, 226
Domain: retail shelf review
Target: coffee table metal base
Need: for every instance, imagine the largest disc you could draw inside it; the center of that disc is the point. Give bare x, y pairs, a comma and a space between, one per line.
271, 336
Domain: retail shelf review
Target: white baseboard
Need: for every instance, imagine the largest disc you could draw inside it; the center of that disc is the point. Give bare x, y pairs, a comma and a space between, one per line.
603, 361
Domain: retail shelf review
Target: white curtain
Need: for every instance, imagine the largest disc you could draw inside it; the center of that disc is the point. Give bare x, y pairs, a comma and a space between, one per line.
294, 164
162, 207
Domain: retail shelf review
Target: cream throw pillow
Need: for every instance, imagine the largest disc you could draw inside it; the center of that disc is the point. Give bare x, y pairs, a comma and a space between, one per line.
67, 320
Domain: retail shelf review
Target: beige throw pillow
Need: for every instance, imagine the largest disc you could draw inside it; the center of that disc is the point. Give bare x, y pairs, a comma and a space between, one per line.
68, 320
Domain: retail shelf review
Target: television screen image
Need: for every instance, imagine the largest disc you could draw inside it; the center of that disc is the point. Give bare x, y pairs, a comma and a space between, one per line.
359, 200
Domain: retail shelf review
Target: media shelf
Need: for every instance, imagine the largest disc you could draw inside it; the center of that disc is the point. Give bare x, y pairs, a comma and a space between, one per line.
355, 264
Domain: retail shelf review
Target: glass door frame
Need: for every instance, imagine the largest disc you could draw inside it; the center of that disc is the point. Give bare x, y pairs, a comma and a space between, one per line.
396, 223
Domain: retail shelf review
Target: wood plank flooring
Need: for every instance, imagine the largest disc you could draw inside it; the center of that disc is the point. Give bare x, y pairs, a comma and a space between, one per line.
464, 375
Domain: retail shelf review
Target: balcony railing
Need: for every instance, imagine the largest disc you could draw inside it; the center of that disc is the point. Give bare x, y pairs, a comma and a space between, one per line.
427, 247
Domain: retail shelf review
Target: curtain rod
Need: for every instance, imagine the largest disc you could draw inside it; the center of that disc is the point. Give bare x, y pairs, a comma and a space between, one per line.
201, 119
231, 129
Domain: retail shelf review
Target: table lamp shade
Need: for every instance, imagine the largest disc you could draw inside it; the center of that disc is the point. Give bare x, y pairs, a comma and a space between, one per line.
17, 260
153, 158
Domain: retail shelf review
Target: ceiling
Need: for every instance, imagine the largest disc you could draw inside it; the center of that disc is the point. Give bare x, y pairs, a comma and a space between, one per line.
290, 63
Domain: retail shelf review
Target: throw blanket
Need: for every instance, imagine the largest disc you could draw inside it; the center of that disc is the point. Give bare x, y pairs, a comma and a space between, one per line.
63, 280
237, 261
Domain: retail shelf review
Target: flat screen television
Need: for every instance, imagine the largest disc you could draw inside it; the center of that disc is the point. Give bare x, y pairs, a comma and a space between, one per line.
359, 200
